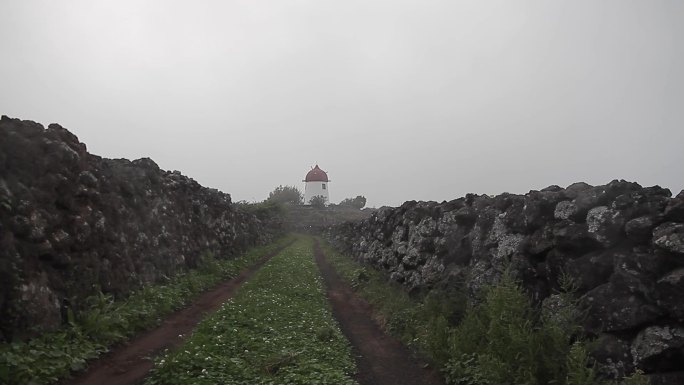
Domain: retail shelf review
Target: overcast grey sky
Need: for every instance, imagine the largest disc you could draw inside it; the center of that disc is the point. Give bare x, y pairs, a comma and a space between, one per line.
397, 100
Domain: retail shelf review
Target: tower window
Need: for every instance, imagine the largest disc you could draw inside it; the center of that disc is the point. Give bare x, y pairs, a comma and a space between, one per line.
323, 186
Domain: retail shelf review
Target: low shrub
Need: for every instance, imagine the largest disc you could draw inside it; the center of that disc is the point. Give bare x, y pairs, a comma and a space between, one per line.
505, 340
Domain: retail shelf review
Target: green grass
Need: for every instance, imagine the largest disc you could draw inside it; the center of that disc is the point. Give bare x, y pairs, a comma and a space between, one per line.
505, 339
278, 329
54, 355
421, 323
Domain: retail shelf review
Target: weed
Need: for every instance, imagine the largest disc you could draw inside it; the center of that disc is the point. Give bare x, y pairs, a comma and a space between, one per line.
637, 378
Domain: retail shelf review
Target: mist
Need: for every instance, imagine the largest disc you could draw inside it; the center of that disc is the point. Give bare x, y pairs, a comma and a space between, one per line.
396, 100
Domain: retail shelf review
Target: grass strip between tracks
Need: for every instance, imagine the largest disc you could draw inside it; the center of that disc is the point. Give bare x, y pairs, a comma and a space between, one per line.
54, 355
403, 317
278, 329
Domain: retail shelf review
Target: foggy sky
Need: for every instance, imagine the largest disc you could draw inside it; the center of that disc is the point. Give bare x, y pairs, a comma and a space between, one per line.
397, 100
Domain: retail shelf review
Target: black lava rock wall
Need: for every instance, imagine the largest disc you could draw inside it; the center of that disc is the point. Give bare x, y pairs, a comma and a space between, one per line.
622, 243
72, 223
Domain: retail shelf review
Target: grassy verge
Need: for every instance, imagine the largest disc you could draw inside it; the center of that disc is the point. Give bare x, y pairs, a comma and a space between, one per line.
416, 322
502, 340
278, 329
54, 355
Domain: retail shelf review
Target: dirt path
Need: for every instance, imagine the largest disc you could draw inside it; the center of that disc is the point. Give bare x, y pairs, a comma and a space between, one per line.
130, 363
381, 359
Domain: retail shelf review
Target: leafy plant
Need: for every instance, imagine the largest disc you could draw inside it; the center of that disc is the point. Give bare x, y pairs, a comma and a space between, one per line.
359, 202
637, 378
286, 194
578, 372
318, 201
265, 210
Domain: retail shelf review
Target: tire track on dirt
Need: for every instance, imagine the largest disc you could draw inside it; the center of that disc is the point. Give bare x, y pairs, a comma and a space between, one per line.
381, 359
129, 364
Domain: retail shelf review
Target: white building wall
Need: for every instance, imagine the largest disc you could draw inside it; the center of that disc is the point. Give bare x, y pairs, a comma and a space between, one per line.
313, 189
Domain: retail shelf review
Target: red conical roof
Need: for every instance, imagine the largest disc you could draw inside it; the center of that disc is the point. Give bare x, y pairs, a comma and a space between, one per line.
316, 175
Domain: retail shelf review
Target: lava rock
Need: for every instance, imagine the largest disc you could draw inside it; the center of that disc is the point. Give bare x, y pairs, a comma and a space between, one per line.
566, 210
675, 208
605, 224
670, 236
640, 228
659, 347
573, 236
670, 293
613, 307
591, 270
613, 356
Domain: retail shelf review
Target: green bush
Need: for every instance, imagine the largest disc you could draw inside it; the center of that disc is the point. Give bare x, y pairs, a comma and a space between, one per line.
286, 194
265, 210
505, 339
578, 372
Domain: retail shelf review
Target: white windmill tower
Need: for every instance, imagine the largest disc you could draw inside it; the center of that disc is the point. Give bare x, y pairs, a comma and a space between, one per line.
316, 184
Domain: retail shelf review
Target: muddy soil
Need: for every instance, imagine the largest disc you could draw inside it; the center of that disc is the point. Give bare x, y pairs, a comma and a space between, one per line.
381, 359
129, 364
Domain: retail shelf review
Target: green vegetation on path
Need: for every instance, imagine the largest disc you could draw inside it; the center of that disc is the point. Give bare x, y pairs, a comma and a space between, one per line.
54, 355
278, 329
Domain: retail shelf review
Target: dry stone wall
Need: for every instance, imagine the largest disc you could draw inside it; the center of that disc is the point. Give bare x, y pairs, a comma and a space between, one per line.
72, 223
622, 243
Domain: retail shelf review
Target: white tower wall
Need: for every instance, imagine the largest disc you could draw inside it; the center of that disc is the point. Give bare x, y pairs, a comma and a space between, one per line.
312, 189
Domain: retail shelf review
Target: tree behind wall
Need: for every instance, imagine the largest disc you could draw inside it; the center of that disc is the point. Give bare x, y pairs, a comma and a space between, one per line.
357, 202
318, 201
286, 194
